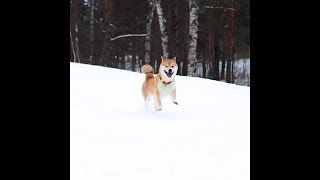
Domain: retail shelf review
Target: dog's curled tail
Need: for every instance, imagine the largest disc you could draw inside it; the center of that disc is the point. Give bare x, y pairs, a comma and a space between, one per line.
148, 70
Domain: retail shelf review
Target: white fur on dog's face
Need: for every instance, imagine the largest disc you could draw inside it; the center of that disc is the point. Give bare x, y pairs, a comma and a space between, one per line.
165, 71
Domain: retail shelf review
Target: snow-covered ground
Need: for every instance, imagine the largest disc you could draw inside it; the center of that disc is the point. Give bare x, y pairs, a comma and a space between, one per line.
205, 137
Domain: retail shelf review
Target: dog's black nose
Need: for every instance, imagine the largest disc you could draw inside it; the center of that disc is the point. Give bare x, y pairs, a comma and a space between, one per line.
170, 70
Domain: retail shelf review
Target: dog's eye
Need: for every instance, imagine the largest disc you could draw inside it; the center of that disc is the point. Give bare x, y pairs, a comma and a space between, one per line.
166, 66
172, 66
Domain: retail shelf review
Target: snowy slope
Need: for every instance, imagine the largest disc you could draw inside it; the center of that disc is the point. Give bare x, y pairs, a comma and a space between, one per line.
205, 137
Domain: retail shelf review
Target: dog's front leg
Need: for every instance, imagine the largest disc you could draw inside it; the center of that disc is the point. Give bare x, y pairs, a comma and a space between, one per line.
157, 102
174, 97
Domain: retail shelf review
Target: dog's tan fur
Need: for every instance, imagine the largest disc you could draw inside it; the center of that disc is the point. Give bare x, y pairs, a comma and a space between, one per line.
160, 85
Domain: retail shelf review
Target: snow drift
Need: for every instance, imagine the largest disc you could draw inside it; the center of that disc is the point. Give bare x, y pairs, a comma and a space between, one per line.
112, 136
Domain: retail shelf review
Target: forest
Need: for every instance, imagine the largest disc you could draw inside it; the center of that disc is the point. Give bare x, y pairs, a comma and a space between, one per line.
208, 37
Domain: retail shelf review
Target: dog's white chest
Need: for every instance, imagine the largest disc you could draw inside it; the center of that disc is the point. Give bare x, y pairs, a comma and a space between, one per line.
167, 89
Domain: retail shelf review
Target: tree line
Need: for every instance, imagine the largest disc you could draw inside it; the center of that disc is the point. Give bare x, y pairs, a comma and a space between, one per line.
206, 36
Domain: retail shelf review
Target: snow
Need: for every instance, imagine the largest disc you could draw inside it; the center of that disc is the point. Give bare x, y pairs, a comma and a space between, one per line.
220, 7
128, 35
112, 136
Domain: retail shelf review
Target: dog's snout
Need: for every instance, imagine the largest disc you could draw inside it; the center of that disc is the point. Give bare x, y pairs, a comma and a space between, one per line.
170, 70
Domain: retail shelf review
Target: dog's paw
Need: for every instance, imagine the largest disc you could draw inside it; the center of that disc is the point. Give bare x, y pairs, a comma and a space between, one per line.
175, 102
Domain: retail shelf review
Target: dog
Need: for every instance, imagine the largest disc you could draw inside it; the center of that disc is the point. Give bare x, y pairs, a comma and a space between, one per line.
162, 84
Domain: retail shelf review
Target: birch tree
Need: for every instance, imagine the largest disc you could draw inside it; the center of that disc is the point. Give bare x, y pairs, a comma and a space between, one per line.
156, 6
164, 36
72, 47
193, 28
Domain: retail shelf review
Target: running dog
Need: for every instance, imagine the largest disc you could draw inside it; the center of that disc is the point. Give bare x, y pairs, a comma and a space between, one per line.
162, 84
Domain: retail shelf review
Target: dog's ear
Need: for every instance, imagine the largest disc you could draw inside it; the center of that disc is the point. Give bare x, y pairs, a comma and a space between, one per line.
162, 58
174, 59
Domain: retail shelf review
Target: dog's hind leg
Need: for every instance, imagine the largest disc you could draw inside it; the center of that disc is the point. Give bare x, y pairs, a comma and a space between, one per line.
157, 102
147, 100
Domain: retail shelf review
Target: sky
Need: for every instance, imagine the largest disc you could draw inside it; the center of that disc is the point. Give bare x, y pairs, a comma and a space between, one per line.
113, 136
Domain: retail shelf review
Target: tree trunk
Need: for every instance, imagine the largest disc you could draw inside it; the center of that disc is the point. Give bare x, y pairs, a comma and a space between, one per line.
134, 58
164, 36
120, 25
99, 33
156, 50
74, 19
224, 41
223, 67
182, 35
216, 57
193, 29
108, 9
230, 42
107, 35
77, 42
218, 44
232, 64
148, 30
210, 51
171, 47
72, 47
91, 32
204, 68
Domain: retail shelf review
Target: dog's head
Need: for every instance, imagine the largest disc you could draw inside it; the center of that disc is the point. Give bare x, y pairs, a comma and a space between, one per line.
168, 68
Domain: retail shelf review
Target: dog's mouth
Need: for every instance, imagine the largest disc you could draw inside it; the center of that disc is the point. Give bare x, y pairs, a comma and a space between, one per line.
169, 74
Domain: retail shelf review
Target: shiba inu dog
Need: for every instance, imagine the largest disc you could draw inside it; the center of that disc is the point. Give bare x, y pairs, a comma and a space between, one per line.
162, 84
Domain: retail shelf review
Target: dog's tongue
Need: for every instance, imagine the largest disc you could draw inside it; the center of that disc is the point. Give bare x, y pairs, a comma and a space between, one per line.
169, 75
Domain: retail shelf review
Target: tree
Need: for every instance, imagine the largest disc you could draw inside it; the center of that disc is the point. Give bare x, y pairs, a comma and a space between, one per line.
182, 15
74, 37
107, 32
204, 35
148, 31
193, 28
91, 32
230, 41
156, 46
170, 29
161, 20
